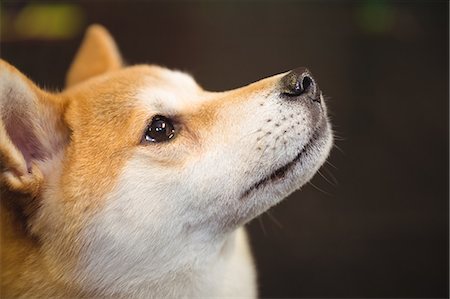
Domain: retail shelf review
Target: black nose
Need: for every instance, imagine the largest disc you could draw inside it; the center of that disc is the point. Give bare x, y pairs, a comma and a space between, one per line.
299, 82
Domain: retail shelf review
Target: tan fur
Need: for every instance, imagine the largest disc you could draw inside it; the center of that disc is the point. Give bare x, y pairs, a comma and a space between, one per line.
97, 55
21, 262
112, 121
96, 125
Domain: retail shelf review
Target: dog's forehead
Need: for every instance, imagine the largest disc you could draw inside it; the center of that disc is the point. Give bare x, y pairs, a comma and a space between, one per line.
131, 78
159, 88
171, 77
158, 77
151, 87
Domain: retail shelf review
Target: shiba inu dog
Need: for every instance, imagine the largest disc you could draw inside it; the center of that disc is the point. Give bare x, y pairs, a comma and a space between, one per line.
136, 182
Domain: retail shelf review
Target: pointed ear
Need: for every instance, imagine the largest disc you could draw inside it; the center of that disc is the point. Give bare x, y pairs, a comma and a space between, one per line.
97, 54
32, 130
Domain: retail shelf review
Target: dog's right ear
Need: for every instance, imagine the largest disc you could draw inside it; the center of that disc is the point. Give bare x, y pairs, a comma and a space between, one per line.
32, 131
97, 54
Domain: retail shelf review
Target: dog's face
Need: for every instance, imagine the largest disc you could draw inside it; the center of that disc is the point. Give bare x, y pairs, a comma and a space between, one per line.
148, 167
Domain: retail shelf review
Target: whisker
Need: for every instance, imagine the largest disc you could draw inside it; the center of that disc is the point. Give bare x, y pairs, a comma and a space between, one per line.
264, 151
331, 164
332, 176
274, 219
251, 133
262, 154
326, 179
338, 148
261, 224
338, 137
321, 190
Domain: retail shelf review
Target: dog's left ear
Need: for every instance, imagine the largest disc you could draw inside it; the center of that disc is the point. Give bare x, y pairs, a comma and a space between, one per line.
97, 54
32, 131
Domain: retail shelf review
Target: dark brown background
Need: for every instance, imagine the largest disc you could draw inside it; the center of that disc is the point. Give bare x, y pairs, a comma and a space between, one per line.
382, 230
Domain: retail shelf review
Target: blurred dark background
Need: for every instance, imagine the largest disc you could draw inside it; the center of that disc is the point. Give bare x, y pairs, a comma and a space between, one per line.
374, 223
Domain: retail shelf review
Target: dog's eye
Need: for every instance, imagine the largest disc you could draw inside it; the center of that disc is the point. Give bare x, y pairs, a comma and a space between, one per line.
159, 130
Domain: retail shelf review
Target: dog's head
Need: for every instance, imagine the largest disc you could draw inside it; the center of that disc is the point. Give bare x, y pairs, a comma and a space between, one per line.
139, 164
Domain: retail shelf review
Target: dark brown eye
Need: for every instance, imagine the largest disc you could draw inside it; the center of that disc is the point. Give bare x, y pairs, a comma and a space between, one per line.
159, 130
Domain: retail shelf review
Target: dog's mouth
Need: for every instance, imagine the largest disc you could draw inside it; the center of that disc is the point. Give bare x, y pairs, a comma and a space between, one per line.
281, 172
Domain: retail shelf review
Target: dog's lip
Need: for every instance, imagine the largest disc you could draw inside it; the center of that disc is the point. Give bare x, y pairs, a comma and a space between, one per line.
280, 173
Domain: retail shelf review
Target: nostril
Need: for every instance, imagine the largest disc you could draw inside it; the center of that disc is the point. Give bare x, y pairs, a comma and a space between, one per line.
306, 82
300, 86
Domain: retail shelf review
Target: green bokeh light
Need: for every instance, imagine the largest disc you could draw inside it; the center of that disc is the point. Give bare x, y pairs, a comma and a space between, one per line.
43, 21
375, 16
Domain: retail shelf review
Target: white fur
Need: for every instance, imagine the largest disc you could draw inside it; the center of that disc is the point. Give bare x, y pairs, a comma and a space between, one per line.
174, 232
162, 230
178, 233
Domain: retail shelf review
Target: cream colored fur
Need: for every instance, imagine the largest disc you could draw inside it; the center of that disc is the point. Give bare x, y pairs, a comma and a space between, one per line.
89, 210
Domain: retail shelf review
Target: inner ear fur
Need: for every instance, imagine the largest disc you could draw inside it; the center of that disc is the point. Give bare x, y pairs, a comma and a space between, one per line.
97, 54
32, 131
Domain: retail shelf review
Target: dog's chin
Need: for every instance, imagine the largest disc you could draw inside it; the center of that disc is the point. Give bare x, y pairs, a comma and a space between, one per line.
297, 171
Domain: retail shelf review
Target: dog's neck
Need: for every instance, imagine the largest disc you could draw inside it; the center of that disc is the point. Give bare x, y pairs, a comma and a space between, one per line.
210, 268
186, 273
196, 266
226, 272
